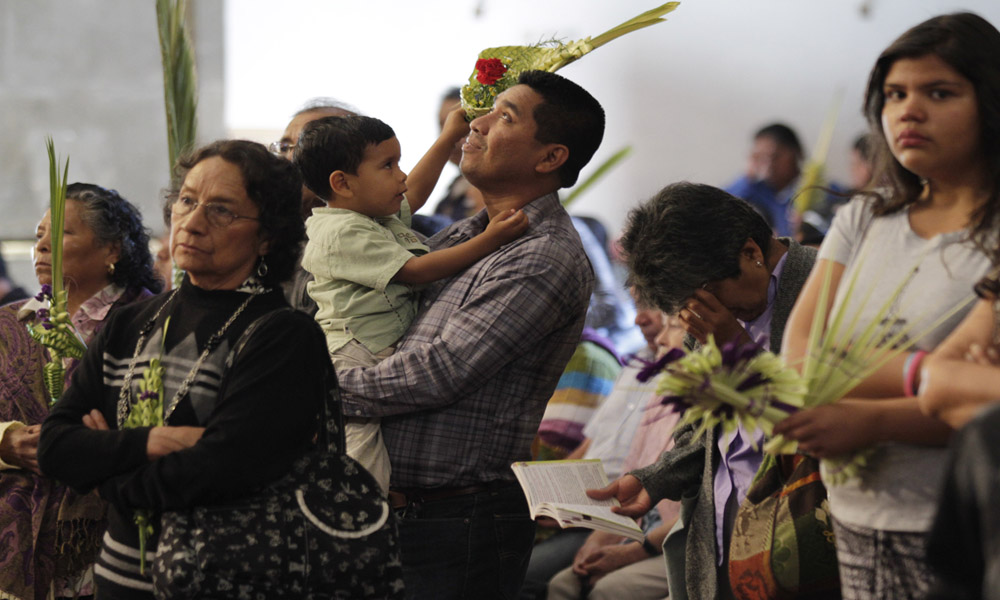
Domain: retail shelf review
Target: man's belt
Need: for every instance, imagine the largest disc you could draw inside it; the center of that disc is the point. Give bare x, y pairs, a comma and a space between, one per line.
401, 497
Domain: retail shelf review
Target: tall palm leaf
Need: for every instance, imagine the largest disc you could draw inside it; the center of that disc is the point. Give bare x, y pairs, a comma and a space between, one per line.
180, 79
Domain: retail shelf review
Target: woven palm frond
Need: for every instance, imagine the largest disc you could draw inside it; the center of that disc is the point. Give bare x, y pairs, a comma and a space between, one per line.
841, 354
54, 376
56, 333
499, 68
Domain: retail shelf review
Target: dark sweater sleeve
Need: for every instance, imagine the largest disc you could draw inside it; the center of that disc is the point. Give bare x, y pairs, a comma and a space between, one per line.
265, 418
74, 454
679, 471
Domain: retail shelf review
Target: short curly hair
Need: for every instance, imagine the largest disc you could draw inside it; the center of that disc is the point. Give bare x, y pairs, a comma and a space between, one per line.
684, 236
274, 185
115, 221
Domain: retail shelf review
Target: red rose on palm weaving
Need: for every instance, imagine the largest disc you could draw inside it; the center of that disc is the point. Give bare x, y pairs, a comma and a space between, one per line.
489, 70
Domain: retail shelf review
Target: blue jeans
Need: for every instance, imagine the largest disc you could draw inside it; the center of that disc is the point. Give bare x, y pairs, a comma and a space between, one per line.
472, 546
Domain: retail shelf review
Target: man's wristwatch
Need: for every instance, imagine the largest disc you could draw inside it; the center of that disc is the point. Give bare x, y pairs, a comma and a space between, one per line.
650, 548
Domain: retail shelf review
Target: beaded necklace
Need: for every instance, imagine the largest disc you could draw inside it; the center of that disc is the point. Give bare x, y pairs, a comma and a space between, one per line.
124, 397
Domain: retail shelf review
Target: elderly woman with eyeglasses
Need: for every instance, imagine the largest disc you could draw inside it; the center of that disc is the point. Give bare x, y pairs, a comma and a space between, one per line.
52, 534
235, 416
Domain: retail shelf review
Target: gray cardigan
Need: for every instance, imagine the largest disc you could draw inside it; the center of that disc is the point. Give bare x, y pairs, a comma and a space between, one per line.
686, 472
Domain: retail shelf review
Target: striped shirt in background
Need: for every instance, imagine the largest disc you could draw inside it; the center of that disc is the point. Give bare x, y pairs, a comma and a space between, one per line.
587, 380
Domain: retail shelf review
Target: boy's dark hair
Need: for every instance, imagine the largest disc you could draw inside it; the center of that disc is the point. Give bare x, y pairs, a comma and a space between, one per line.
336, 144
568, 115
783, 135
686, 235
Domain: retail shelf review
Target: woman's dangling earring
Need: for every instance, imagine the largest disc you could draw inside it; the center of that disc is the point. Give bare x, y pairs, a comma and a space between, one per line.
261, 268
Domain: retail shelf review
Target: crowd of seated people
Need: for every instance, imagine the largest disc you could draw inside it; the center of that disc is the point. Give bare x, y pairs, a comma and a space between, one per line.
498, 330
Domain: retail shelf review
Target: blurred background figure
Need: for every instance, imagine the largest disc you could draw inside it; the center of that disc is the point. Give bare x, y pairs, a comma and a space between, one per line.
9, 291
316, 108
862, 164
772, 176
313, 109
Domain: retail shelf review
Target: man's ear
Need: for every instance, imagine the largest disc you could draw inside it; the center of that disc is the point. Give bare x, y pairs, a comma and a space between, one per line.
554, 157
340, 184
752, 251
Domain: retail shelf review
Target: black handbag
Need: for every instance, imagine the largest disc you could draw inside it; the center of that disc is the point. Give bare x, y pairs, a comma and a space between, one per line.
324, 530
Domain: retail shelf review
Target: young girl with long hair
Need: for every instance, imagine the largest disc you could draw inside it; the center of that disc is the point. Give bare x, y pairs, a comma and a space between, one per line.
933, 103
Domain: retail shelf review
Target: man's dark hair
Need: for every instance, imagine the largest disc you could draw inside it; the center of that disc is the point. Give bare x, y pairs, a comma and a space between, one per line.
568, 115
274, 185
686, 235
336, 144
783, 135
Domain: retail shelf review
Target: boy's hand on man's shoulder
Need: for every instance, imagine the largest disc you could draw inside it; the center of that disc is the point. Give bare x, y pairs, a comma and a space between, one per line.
507, 226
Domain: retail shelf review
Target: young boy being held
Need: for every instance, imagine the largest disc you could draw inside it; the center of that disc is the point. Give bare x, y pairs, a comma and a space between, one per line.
362, 253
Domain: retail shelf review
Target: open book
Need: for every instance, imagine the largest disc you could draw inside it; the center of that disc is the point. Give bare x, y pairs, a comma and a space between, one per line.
555, 488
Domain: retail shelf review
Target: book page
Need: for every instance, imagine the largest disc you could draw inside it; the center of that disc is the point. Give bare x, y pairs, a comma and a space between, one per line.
558, 488
562, 481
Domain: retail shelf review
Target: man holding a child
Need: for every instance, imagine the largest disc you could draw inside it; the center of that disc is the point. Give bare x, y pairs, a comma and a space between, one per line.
462, 396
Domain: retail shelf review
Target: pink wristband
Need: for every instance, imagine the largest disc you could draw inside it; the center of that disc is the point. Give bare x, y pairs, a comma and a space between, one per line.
910, 368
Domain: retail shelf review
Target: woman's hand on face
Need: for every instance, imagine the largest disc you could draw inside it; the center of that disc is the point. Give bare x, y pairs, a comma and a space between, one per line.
832, 430
20, 447
703, 315
167, 438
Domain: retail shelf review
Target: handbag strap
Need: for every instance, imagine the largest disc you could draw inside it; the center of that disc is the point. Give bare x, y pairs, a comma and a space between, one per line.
331, 434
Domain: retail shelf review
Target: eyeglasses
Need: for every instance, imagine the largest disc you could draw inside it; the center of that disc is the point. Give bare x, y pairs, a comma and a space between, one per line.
281, 148
218, 215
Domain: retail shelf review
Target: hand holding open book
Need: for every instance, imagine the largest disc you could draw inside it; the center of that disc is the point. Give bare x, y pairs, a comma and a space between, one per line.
557, 489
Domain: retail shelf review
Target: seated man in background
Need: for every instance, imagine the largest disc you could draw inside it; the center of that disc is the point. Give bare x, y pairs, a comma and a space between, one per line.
607, 566
772, 176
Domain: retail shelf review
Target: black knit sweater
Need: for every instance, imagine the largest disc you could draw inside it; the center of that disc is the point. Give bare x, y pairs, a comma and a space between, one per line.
265, 417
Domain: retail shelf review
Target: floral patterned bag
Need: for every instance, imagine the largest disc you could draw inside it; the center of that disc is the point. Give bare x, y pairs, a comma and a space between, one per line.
324, 530
782, 545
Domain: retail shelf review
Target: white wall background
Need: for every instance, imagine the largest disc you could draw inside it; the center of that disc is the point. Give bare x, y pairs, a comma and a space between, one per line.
686, 94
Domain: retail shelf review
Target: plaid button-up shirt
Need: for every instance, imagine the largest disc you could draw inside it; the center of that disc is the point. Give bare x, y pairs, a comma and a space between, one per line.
462, 397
